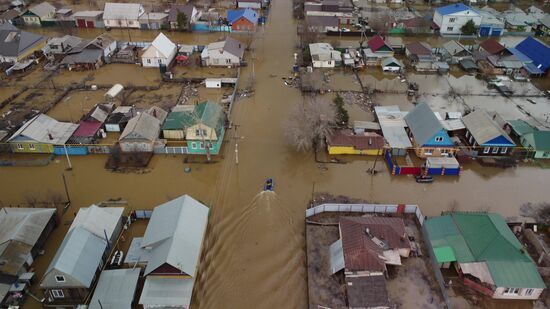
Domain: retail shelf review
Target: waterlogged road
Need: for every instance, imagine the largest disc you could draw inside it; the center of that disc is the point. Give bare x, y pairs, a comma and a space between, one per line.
254, 250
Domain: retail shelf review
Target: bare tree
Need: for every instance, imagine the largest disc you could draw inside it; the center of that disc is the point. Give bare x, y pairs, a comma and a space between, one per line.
540, 212
309, 124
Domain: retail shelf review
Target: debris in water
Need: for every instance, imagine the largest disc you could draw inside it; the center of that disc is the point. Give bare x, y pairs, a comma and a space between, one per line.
187, 169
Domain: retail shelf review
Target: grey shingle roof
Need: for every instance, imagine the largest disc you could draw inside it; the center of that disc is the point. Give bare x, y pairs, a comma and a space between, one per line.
14, 42
423, 123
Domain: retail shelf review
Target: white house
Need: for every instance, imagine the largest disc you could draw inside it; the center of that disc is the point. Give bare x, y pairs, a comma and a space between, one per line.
224, 53
122, 15
452, 17
251, 4
324, 56
161, 51
39, 13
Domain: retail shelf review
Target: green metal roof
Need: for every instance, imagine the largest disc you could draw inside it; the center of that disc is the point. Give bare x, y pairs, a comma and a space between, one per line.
484, 237
521, 127
178, 121
444, 254
539, 140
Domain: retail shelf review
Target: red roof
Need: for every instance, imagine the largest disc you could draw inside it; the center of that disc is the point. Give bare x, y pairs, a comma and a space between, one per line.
376, 43
87, 128
368, 140
492, 46
360, 251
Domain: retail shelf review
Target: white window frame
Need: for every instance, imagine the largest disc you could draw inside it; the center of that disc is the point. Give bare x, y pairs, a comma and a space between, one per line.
450, 28
58, 294
428, 151
529, 292
20, 146
546, 154
511, 291
32, 147
59, 278
495, 150
503, 150
452, 19
438, 139
194, 145
486, 150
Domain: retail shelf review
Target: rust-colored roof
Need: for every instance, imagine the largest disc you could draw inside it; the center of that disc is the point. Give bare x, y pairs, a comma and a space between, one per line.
417, 48
376, 42
361, 253
368, 140
492, 46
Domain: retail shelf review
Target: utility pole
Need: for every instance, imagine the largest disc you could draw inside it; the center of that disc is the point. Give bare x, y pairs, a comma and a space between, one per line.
236, 138
68, 159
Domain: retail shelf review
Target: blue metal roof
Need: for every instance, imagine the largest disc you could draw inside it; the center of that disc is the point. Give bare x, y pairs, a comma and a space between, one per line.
452, 8
537, 51
521, 56
532, 69
234, 15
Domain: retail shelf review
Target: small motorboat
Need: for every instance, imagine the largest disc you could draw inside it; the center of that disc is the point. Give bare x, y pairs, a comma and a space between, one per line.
424, 179
268, 186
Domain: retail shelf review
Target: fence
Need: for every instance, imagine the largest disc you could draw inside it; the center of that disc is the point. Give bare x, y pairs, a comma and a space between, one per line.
417, 170
367, 208
171, 150
435, 268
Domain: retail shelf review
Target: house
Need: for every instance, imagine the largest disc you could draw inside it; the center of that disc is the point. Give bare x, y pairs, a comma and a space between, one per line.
16, 45
505, 64
119, 118
116, 288
544, 26
153, 21
516, 20
89, 55
161, 52
177, 122
468, 65
365, 248
348, 142
89, 128
490, 25
204, 132
42, 14
10, 17
537, 51
393, 125
415, 25
429, 137
64, 14
170, 252
345, 19
58, 47
228, 53
419, 52
492, 47
244, 20
391, 64
70, 277
89, 19
322, 24
251, 4
454, 52
485, 253
122, 15
40, 134
142, 131
449, 19
23, 234
485, 135
377, 49
324, 56
191, 14
537, 143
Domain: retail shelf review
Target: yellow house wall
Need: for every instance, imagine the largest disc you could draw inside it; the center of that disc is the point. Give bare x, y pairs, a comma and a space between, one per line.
336, 150
32, 50
173, 134
38, 148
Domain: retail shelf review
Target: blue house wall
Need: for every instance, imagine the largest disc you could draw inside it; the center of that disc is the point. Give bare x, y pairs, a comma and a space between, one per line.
445, 142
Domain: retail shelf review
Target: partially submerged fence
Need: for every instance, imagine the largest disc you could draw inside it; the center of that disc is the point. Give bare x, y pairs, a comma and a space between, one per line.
418, 170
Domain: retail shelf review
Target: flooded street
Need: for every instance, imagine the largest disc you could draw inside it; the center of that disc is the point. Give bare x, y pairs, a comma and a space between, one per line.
254, 252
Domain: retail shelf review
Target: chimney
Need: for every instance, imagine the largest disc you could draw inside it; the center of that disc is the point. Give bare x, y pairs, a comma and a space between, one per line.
50, 136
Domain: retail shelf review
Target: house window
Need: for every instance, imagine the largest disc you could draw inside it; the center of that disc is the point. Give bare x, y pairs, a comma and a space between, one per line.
452, 20
503, 150
486, 149
58, 294
228, 61
512, 291
428, 152
546, 154
194, 145
439, 139
200, 132
444, 151
60, 278
31, 147
495, 149
148, 60
449, 29
20, 146
201, 145
529, 292
160, 61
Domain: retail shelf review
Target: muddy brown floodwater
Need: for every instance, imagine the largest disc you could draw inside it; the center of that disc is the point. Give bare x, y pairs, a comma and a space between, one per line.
254, 252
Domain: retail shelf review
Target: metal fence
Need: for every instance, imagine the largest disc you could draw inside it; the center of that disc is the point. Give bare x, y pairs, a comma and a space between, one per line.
366, 208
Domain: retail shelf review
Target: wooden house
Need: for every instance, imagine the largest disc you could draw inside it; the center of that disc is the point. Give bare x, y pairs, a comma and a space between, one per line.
485, 136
